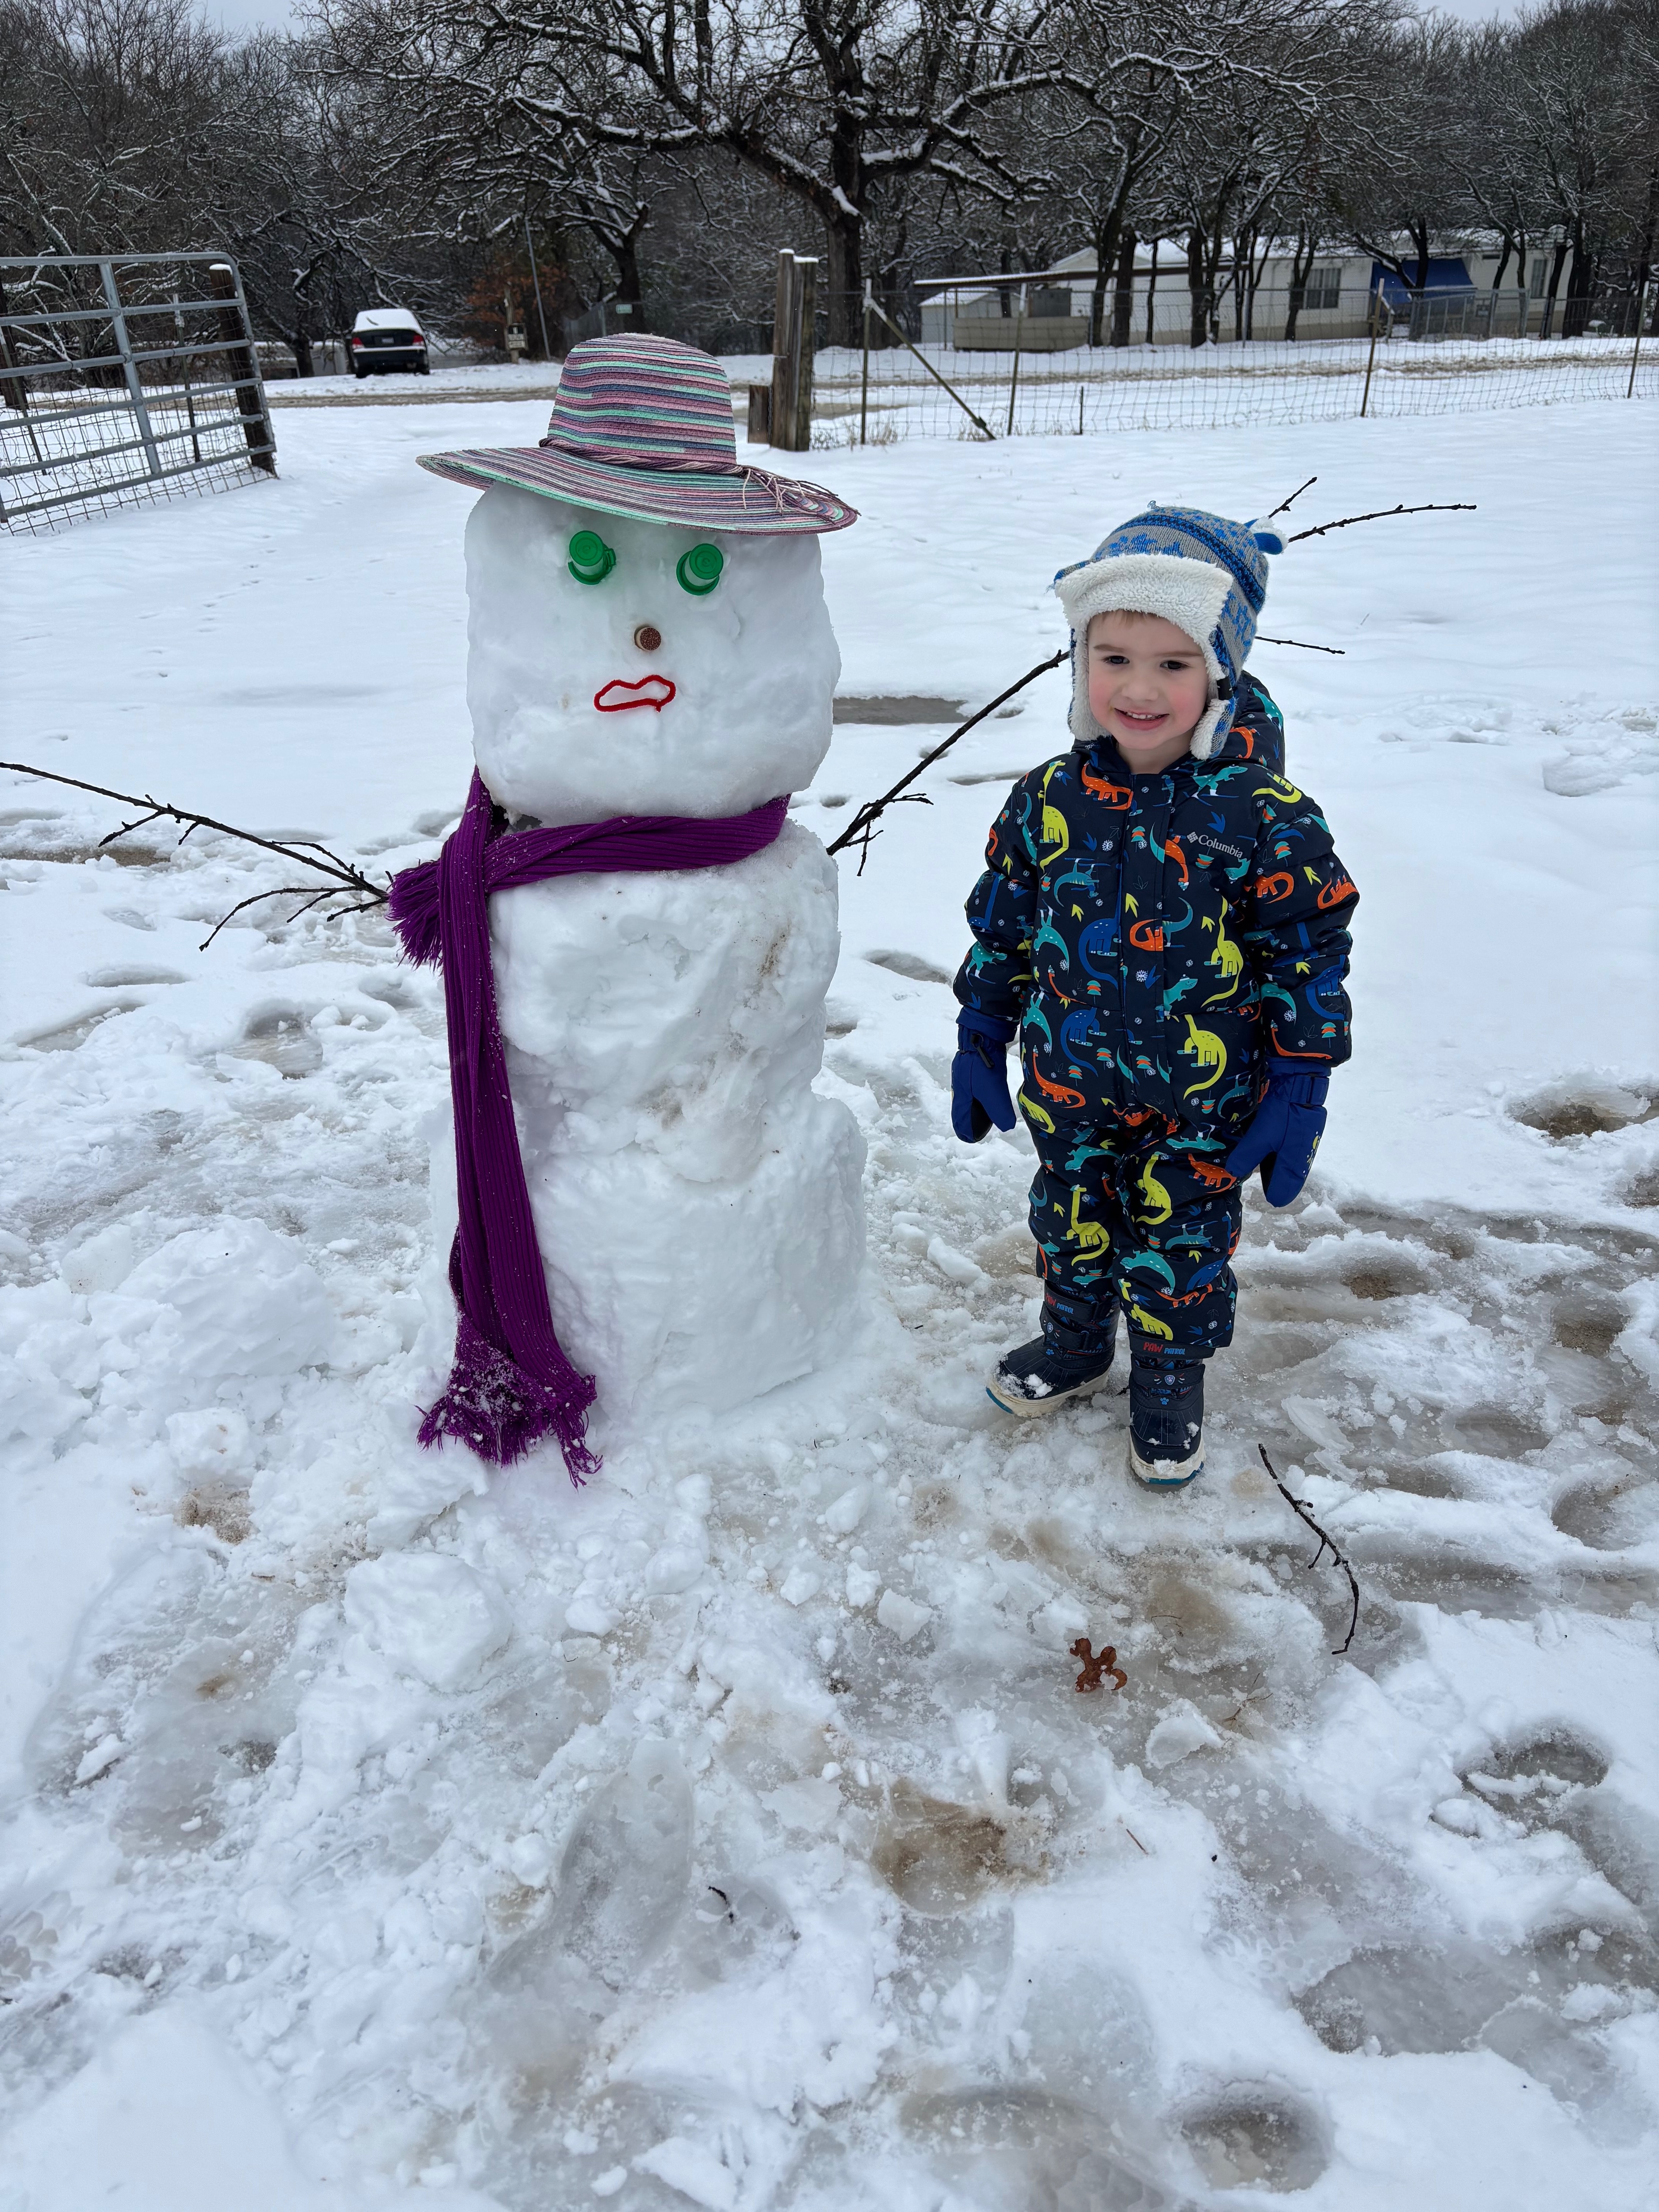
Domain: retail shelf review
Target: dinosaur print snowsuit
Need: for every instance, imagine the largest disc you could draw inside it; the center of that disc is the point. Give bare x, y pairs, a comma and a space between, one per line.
1155, 938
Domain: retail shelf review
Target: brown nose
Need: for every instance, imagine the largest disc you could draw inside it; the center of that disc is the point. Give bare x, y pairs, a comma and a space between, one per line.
647, 637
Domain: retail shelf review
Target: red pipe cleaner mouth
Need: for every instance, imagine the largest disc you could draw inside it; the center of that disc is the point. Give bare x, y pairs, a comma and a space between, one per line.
650, 691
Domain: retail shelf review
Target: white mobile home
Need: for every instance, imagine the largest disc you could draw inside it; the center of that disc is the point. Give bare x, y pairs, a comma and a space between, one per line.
1049, 312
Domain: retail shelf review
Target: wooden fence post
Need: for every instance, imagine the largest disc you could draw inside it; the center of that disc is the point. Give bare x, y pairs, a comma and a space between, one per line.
863, 386
1371, 358
243, 369
1636, 350
806, 280
15, 392
791, 352
786, 346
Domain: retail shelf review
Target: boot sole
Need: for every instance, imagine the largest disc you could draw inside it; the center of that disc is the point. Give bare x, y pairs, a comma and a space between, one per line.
1032, 1408
1165, 1473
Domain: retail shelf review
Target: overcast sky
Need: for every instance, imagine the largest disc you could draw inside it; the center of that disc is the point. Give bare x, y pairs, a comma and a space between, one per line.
249, 14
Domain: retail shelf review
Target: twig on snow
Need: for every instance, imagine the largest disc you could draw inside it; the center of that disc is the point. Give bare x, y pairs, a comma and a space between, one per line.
1382, 513
862, 827
1299, 1507
282, 891
1295, 496
126, 827
1341, 651
306, 853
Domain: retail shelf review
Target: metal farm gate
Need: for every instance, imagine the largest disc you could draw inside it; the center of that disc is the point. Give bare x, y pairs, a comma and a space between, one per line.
125, 377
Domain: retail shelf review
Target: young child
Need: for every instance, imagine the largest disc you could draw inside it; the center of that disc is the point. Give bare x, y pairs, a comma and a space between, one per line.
1165, 922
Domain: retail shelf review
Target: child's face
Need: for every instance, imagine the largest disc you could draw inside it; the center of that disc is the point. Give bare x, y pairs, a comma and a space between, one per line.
1148, 687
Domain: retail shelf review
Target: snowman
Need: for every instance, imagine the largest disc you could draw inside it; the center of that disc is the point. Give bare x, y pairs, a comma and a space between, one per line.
654, 1206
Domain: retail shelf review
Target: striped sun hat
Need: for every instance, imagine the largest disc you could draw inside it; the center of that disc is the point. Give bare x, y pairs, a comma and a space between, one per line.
642, 427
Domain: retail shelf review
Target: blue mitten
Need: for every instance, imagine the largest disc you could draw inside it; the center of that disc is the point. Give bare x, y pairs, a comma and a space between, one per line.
979, 1077
1285, 1135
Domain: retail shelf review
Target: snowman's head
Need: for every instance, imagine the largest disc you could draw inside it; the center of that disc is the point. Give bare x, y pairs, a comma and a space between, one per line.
620, 667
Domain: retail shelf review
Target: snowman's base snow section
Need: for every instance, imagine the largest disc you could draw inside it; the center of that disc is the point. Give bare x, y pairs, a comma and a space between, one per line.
664, 1033
381, 1829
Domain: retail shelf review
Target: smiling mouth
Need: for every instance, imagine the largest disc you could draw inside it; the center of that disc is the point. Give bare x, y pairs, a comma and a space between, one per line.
616, 697
1141, 721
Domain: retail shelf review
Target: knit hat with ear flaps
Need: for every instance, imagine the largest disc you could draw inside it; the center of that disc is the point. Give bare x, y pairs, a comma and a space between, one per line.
1206, 575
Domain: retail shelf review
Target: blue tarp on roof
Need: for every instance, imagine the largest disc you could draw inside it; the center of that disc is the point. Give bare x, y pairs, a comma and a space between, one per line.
1444, 275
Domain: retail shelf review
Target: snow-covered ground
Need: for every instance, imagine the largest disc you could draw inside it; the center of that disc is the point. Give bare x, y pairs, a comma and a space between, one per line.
474, 379
730, 1833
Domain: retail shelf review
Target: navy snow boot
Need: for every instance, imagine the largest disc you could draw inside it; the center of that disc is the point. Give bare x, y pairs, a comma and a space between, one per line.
1055, 1367
1166, 1420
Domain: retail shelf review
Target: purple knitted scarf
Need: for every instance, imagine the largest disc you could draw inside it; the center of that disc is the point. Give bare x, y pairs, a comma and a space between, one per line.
511, 1383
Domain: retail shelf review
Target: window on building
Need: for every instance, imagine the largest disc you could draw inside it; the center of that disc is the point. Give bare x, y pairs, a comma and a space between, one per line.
1541, 276
1324, 286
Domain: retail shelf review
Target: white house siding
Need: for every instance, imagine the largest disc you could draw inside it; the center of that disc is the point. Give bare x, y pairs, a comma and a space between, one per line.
1336, 304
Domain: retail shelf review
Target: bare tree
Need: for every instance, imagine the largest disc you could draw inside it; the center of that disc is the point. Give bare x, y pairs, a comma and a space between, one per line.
1238, 162
108, 122
1112, 139
1401, 187
1581, 88
832, 101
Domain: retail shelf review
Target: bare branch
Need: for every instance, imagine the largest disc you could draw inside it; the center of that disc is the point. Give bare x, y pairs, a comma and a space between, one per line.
127, 827
859, 830
1382, 513
306, 852
282, 891
1300, 1508
1294, 496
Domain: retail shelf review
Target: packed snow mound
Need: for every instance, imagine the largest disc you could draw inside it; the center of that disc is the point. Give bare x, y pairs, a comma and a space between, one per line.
429, 1615
697, 1204
239, 1300
751, 666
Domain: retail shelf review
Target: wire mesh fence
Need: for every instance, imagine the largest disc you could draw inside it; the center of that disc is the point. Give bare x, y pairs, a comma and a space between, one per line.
124, 378
971, 372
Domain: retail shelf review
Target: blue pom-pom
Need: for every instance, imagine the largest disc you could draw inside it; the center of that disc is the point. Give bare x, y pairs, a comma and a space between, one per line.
1270, 539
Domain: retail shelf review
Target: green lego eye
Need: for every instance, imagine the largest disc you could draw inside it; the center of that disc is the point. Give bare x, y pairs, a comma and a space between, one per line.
699, 570
591, 559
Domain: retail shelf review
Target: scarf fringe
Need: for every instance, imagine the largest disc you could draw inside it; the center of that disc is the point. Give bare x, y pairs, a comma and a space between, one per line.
414, 914
492, 1405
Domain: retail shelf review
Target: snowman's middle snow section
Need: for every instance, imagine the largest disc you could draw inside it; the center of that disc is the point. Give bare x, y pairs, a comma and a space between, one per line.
697, 1205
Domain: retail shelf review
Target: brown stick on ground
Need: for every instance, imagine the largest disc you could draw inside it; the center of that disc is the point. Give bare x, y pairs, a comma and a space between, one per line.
1095, 1670
1299, 1507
